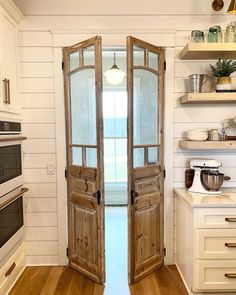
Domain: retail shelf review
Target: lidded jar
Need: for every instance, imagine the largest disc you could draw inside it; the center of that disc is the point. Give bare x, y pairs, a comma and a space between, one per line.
212, 35
230, 34
197, 36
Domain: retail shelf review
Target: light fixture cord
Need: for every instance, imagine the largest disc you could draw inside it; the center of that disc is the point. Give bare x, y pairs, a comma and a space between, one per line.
114, 56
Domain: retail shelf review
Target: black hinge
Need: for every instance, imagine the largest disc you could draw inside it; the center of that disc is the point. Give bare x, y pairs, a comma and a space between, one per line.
164, 65
62, 65
67, 252
164, 173
164, 251
65, 173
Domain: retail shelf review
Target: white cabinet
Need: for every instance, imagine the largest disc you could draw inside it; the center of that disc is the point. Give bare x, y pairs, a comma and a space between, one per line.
11, 270
206, 241
9, 98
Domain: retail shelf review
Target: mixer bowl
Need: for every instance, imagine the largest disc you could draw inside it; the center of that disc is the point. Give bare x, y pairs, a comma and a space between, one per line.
211, 181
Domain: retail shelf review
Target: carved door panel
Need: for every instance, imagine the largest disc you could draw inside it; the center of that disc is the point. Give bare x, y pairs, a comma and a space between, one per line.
145, 69
84, 131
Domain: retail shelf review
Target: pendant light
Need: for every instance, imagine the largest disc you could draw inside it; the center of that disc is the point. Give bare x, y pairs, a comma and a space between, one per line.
232, 7
114, 76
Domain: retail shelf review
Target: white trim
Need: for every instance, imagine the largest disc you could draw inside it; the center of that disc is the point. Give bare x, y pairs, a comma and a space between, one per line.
10, 7
168, 132
60, 157
169, 154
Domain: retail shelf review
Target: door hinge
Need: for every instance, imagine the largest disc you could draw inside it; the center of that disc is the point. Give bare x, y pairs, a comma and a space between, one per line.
164, 65
65, 173
164, 251
62, 65
67, 252
164, 173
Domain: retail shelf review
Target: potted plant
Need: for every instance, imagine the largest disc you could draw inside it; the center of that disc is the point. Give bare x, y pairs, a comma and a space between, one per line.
222, 71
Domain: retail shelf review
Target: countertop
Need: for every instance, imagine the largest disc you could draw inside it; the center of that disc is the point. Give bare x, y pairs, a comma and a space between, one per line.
226, 199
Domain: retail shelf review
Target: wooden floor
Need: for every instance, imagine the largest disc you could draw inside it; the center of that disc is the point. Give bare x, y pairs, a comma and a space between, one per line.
54, 280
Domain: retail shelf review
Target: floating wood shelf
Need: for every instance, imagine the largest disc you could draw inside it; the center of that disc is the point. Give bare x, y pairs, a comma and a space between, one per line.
208, 145
209, 51
212, 97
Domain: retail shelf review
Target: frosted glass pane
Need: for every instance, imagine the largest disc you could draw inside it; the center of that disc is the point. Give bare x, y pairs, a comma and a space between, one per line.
138, 56
74, 60
138, 157
88, 56
153, 60
152, 155
83, 107
91, 157
109, 159
121, 159
77, 156
145, 107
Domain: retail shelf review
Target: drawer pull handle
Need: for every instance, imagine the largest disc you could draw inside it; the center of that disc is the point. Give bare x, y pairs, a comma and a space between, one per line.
230, 219
230, 245
230, 275
10, 270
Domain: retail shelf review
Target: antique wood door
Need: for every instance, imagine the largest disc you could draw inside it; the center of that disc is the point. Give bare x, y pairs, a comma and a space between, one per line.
145, 72
84, 132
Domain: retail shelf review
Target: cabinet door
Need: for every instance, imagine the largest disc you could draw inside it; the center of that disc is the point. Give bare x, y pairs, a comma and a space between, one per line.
8, 32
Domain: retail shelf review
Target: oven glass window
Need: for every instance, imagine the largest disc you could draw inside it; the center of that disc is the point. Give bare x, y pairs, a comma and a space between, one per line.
10, 162
11, 220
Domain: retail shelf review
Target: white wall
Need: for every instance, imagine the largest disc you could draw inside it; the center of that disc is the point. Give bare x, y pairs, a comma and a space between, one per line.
40, 77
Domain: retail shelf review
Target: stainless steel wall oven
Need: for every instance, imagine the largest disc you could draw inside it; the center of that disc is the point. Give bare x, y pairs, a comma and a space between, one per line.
11, 191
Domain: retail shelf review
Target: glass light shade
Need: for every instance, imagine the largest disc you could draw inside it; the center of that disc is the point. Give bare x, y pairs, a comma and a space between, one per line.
114, 76
232, 7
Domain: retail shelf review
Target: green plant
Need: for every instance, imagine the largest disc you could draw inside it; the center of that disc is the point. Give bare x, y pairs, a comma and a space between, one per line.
223, 68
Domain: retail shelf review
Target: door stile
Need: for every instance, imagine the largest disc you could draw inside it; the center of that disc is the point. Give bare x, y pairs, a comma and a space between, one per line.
100, 154
131, 244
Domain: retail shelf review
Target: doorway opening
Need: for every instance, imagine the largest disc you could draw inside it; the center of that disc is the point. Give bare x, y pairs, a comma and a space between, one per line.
144, 158
115, 176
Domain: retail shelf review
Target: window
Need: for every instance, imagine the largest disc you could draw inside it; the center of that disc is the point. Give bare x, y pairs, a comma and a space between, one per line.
115, 135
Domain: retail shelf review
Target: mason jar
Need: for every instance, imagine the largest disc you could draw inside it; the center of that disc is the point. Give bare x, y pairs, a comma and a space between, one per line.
197, 36
212, 35
230, 34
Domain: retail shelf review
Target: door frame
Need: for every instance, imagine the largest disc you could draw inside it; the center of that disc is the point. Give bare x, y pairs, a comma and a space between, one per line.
163, 38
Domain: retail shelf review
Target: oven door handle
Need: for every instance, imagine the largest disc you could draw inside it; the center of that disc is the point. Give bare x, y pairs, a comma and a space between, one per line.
13, 198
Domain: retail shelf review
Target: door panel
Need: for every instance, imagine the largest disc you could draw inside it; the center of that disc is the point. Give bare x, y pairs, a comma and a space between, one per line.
84, 131
145, 67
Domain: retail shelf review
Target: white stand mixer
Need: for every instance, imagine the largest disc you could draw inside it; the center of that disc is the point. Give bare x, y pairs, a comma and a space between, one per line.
203, 164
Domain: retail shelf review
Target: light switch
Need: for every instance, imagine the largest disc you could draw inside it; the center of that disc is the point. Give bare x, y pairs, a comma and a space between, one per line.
50, 169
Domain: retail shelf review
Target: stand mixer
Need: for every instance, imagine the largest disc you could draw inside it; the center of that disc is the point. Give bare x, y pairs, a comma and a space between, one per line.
207, 179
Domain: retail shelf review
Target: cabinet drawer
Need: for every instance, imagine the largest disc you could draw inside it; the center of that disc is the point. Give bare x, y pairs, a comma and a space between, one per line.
211, 275
11, 270
216, 218
216, 244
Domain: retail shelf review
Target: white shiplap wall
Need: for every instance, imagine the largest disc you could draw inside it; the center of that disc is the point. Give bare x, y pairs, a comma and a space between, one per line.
38, 115
39, 100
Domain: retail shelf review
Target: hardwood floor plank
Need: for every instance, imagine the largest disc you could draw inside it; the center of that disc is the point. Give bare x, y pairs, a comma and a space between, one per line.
66, 281
50, 285
33, 282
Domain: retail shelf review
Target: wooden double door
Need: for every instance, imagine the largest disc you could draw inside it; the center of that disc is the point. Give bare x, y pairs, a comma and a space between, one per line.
85, 165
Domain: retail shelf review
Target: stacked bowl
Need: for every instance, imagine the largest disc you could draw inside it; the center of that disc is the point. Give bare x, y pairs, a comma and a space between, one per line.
199, 134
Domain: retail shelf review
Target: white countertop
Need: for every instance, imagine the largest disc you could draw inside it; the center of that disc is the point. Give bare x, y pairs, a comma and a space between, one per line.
226, 199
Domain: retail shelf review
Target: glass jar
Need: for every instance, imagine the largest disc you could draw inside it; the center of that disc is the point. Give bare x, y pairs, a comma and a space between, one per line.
214, 135
230, 34
219, 34
197, 36
212, 35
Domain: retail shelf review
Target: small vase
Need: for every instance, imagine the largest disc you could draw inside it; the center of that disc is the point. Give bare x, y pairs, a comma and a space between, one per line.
223, 83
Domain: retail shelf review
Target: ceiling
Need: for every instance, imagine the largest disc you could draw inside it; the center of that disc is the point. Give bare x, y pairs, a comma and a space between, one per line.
108, 7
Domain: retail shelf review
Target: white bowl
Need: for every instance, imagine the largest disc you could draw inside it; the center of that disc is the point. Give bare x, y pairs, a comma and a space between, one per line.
197, 134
